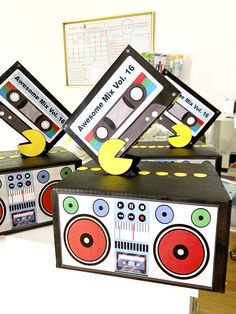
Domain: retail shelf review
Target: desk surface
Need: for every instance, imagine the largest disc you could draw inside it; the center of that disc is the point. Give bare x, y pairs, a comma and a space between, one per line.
30, 283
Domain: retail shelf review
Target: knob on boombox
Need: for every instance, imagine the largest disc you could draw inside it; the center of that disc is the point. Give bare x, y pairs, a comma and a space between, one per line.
87, 239
2, 211
181, 251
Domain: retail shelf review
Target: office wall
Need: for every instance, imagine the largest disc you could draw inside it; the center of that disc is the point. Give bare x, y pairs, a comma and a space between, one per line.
204, 31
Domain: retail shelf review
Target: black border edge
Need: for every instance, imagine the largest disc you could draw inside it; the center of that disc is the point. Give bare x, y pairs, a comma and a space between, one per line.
56, 227
221, 247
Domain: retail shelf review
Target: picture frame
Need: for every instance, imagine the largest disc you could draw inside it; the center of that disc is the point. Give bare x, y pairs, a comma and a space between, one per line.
91, 46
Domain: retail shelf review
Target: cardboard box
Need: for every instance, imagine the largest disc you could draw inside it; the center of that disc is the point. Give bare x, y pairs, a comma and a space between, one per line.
168, 224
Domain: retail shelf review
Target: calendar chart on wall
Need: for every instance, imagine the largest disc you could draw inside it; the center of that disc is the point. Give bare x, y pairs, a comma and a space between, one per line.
91, 46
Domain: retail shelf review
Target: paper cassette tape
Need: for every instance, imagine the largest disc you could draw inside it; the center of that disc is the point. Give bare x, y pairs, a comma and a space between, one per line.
26, 104
190, 109
123, 104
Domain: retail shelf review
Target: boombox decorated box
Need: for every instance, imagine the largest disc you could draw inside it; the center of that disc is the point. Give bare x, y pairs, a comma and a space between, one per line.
167, 224
26, 185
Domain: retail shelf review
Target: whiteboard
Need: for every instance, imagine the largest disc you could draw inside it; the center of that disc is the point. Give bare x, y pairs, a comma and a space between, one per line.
91, 46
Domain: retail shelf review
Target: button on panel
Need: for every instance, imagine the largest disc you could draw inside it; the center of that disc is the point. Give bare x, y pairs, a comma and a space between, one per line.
131, 217
120, 215
120, 205
19, 180
131, 211
131, 206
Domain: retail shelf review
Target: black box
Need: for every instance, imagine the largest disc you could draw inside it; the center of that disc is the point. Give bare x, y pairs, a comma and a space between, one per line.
26, 185
162, 151
169, 224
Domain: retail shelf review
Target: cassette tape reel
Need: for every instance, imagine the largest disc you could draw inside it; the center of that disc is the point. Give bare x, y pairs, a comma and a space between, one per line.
123, 104
26, 104
190, 109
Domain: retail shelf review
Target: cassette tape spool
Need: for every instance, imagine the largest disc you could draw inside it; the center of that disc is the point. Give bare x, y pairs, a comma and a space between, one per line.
190, 109
26, 104
123, 104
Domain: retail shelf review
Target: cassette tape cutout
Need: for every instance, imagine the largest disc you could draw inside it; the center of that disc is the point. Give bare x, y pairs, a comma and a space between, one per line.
25, 104
190, 109
123, 104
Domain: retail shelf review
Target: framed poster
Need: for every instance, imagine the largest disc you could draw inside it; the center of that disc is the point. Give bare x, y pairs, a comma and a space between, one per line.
91, 46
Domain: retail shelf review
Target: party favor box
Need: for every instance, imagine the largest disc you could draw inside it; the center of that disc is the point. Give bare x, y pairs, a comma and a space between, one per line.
168, 224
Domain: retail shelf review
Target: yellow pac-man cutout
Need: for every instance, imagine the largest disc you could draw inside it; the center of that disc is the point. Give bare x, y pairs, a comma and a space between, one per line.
108, 161
36, 145
183, 137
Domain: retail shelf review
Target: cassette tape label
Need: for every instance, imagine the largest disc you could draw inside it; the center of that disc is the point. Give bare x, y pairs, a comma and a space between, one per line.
186, 101
26, 104
127, 99
127, 93
189, 108
20, 82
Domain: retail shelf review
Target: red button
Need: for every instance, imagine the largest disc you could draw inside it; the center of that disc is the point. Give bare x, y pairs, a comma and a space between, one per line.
142, 218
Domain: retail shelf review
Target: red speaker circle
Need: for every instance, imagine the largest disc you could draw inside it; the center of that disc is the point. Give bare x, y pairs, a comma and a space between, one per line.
181, 251
2, 211
87, 239
45, 198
